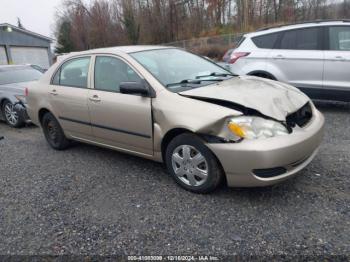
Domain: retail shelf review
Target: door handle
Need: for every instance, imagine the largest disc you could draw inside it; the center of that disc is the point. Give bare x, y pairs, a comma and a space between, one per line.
95, 98
279, 57
54, 92
340, 58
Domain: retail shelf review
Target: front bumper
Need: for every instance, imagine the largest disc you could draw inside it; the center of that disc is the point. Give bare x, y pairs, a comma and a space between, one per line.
289, 153
21, 110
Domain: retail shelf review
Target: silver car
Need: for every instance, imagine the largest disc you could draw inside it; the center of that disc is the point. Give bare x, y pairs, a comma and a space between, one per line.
314, 57
14, 79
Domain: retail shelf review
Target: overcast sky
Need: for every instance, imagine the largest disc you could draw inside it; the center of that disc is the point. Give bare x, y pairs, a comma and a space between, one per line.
36, 15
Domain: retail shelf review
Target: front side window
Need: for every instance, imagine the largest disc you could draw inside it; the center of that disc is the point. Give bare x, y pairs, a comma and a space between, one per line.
301, 39
111, 71
73, 73
265, 41
339, 38
179, 70
18, 75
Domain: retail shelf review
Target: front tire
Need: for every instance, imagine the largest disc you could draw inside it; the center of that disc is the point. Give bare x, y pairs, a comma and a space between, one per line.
53, 132
11, 116
192, 165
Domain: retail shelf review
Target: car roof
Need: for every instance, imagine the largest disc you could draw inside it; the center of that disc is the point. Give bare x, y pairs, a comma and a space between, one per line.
122, 49
280, 28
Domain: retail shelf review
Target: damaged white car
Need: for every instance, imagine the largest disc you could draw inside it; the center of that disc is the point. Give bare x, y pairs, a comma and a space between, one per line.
172, 106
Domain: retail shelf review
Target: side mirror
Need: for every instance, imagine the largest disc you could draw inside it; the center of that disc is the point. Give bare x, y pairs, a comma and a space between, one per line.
136, 88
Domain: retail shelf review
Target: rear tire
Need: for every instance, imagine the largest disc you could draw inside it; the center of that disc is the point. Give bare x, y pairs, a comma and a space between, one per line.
53, 132
11, 116
192, 165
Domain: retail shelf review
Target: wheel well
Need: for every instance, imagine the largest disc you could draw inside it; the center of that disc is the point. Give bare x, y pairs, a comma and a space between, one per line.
169, 136
263, 74
178, 131
42, 112
2, 102
1, 105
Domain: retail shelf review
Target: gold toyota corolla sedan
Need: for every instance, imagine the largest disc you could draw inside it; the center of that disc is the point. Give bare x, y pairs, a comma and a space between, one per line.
172, 106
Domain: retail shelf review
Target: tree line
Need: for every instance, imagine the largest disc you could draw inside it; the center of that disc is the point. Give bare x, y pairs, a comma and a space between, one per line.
82, 25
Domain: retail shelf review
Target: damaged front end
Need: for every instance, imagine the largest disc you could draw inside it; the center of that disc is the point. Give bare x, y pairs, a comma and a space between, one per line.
267, 108
21, 111
252, 124
232, 111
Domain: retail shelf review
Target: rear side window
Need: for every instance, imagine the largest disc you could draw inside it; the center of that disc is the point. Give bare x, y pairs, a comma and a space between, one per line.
339, 38
265, 41
301, 39
73, 73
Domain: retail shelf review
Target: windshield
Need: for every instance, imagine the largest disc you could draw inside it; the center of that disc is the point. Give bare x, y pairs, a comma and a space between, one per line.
179, 70
17, 75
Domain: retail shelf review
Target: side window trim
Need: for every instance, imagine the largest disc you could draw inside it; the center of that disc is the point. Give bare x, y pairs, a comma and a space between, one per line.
321, 42
113, 56
58, 71
326, 38
278, 40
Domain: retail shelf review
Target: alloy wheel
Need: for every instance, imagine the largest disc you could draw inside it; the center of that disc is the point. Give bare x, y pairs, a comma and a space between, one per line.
10, 114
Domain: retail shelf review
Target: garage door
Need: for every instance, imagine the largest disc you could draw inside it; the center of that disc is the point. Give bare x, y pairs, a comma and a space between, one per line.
30, 55
3, 58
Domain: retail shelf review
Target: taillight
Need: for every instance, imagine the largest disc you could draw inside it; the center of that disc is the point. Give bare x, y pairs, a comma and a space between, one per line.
26, 92
237, 55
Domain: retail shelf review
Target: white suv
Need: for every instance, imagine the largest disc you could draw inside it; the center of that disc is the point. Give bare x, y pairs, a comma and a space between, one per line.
314, 56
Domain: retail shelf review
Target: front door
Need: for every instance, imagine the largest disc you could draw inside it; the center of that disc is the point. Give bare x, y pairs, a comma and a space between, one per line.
69, 97
119, 120
337, 59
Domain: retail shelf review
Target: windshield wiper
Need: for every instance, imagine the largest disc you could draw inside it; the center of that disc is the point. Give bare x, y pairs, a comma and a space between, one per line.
192, 81
216, 74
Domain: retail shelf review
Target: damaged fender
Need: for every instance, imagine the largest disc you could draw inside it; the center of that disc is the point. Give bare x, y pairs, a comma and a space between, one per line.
173, 111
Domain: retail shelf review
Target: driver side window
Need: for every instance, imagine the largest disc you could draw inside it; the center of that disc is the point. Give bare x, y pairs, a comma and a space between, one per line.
110, 72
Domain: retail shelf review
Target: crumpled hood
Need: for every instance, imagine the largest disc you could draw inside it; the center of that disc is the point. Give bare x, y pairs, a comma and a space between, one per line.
270, 98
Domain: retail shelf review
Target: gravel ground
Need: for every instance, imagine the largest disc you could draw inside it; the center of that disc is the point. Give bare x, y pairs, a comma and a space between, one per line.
93, 201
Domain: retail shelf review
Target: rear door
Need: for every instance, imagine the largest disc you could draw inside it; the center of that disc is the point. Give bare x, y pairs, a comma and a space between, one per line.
299, 57
119, 120
68, 94
337, 58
